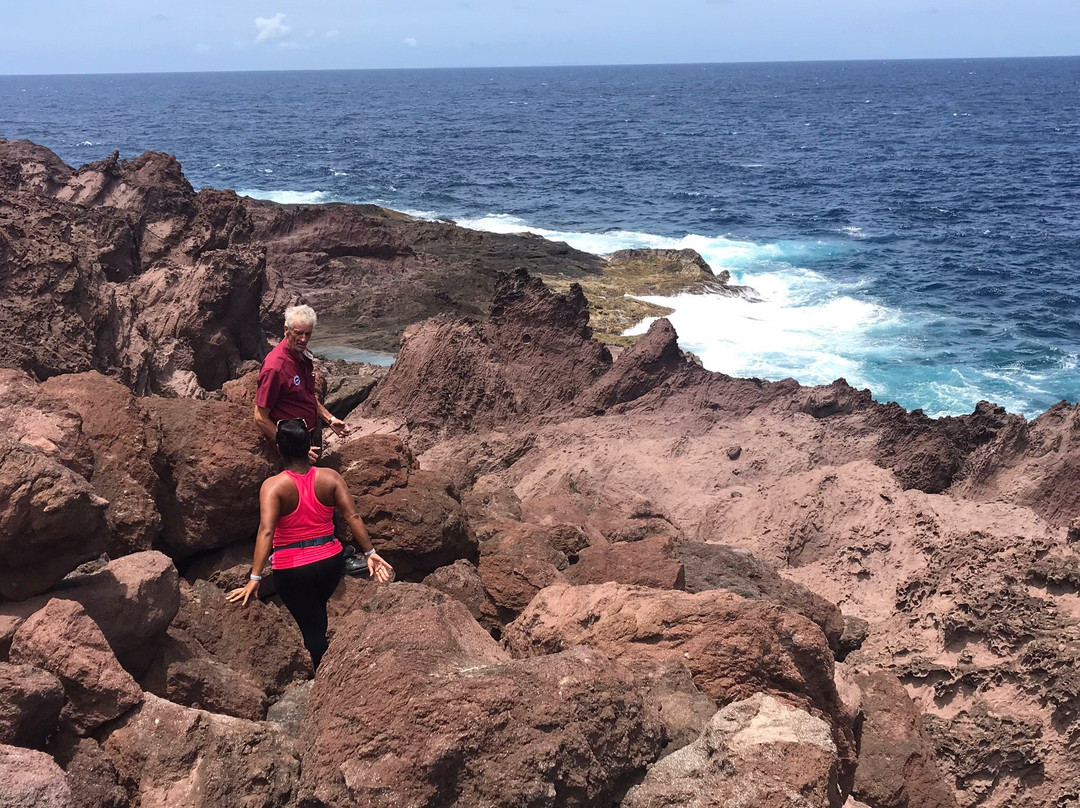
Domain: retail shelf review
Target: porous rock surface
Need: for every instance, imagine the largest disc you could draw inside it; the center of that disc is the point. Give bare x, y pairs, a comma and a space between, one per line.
757, 752
31, 779
30, 709
63, 640
417, 706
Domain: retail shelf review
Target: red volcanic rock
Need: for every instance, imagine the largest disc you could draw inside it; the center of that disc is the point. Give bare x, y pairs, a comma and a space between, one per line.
734, 647
93, 779
30, 709
650, 562
462, 582
259, 642
897, 766
516, 564
200, 759
489, 501
757, 752
144, 280
369, 272
30, 779
417, 527
30, 415
64, 641
50, 521
133, 600
375, 464
639, 369
216, 460
534, 354
207, 684
415, 705
125, 446
26, 166
1036, 465
716, 566
684, 710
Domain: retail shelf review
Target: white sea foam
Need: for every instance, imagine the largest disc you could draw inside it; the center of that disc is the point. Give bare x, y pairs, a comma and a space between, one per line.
289, 197
799, 324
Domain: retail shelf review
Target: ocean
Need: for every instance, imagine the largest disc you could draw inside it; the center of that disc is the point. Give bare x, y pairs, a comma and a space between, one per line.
911, 226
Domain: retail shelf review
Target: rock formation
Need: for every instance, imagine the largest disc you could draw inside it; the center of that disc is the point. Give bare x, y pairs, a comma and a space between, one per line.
622, 581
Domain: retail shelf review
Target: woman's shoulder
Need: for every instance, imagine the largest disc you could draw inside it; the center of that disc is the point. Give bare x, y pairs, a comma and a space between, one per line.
325, 475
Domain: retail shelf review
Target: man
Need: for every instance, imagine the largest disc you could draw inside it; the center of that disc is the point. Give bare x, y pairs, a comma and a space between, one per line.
287, 391
287, 383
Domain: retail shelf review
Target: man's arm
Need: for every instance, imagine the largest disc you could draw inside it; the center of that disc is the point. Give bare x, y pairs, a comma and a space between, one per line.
262, 420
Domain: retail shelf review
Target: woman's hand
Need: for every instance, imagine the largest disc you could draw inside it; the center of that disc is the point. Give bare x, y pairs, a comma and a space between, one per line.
378, 570
244, 593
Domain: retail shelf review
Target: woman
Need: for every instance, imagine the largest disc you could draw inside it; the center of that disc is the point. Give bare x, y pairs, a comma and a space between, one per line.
296, 518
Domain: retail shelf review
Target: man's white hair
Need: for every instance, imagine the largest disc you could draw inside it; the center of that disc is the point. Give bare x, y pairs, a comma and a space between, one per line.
300, 315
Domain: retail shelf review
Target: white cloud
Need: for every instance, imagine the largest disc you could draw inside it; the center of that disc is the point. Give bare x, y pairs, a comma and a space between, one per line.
271, 27
410, 41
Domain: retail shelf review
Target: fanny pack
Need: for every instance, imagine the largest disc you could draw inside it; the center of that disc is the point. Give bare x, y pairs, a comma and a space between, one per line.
299, 545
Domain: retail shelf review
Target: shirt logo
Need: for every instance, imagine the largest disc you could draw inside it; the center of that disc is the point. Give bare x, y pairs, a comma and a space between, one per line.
296, 381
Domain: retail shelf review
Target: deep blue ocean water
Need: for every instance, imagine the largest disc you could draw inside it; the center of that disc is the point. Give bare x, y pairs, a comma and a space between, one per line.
911, 226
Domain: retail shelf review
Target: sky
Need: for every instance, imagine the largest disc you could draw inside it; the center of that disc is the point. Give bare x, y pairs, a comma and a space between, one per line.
124, 36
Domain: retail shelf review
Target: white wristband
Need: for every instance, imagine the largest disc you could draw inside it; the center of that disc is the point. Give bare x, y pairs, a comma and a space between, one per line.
255, 577
369, 553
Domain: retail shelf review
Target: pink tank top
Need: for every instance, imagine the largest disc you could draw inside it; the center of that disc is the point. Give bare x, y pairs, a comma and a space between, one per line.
310, 520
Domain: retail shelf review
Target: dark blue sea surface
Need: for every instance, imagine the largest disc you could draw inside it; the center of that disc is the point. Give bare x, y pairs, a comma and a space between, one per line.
911, 226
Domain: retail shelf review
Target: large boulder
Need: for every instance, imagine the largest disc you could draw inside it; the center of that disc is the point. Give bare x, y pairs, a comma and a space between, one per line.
133, 600
216, 460
734, 647
414, 517
31, 779
30, 709
534, 354
92, 777
758, 752
126, 446
227, 658
31, 414
717, 566
177, 756
897, 765
650, 562
51, 520
462, 582
63, 640
515, 564
415, 705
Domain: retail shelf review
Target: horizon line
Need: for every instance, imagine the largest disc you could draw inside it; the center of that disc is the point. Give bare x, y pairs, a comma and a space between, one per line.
542, 66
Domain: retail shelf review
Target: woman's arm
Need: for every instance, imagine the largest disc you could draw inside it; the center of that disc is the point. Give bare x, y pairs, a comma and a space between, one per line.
269, 509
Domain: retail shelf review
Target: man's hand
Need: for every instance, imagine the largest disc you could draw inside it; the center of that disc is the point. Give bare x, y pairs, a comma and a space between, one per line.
313, 455
341, 429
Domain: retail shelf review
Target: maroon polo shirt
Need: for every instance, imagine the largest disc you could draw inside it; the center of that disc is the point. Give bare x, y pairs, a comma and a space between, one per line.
287, 386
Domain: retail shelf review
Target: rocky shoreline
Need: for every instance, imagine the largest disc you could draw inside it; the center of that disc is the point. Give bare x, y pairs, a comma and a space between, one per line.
623, 580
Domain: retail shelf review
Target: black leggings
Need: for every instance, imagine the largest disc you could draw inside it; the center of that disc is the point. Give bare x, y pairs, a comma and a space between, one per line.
304, 591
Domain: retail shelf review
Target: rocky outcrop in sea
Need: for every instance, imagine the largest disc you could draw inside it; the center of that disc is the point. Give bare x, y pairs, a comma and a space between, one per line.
623, 580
